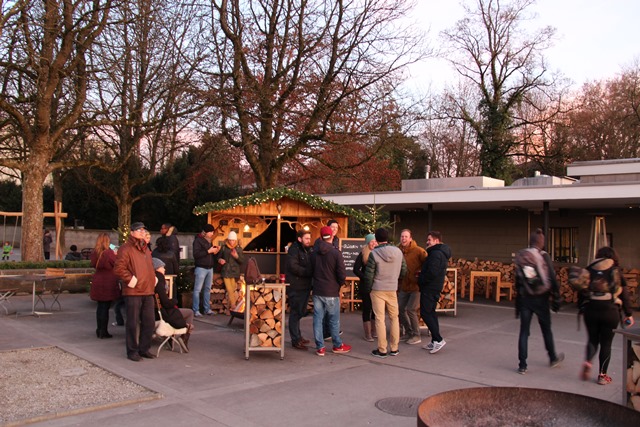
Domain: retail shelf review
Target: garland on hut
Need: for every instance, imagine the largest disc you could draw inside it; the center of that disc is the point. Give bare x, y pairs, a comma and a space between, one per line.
275, 194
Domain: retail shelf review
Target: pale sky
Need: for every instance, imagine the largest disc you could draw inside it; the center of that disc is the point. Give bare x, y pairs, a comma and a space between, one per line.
594, 39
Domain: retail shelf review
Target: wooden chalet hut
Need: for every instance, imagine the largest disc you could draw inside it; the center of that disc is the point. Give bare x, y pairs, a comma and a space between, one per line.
267, 222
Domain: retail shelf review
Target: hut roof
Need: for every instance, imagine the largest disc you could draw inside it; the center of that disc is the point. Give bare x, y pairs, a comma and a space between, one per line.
274, 194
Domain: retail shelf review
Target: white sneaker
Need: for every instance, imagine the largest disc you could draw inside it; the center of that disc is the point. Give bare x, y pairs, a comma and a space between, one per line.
437, 346
429, 346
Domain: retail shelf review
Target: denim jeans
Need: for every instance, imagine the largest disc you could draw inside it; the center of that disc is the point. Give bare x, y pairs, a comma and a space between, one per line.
203, 281
538, 305
326, 307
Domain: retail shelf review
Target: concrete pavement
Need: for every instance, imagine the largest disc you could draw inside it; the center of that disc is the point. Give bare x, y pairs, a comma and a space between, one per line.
216, 386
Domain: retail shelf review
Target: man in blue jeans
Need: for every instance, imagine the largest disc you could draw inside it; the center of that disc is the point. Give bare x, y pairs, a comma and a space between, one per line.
329, 274
204, 255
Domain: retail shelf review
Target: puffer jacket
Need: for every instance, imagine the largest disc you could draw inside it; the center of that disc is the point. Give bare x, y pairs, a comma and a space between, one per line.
384, 268
134, 259
414, 256
434, 268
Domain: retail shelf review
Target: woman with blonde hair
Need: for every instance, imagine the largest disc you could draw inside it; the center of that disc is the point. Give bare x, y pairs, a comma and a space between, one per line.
358, 268
104, 286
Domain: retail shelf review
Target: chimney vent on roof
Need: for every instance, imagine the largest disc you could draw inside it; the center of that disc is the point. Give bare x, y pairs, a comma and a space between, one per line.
536, 173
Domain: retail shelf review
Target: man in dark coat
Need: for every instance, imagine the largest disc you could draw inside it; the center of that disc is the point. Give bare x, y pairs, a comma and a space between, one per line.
528, 304
431, 282
329, 274
299, 274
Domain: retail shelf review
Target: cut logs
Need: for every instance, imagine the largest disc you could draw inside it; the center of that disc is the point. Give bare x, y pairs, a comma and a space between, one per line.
265, 321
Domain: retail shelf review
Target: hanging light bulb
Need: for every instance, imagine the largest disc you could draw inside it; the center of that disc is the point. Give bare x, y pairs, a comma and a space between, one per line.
246, 228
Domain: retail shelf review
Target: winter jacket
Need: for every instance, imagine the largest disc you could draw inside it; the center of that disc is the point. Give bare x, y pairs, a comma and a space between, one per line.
414, 256
329, 272
622, 297
201, 257
104, 284
232, 267
134, 259
169, 308
434, 269
169, 258
174, 243
384, 268
299, 269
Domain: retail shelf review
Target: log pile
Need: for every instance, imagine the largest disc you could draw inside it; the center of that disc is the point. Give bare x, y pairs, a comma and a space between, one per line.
507, 275
448, 296
218, 300
633, 377
265, 322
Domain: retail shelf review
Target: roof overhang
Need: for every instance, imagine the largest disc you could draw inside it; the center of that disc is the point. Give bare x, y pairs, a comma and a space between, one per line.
573, 196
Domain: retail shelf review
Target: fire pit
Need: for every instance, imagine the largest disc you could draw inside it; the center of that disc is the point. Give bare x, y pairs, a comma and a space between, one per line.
514, 406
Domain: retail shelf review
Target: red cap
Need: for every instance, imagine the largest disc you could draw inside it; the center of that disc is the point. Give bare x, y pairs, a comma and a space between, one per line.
325, 232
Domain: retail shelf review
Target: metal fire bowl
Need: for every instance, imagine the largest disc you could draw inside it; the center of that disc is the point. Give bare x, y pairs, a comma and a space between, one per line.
515, 406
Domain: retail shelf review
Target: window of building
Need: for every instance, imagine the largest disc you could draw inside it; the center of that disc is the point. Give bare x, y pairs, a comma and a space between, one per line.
563, 244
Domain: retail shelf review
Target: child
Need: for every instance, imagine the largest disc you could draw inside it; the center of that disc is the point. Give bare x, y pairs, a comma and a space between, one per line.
7, 250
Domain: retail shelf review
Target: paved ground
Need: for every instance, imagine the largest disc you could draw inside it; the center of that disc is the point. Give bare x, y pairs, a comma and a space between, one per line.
214, 384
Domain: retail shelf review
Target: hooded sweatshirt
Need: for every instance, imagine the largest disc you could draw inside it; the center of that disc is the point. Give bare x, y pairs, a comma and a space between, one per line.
434, 268
329, 272
385, 267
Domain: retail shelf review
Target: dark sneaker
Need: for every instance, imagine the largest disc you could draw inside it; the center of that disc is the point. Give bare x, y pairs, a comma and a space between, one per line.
522, 371
394, 352
148, 355
329, 337
342, 349
300, 346
135, 357
379, 354
557, 361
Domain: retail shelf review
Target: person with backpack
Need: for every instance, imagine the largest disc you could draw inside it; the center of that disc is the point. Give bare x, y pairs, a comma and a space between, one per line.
602, 302
535, 284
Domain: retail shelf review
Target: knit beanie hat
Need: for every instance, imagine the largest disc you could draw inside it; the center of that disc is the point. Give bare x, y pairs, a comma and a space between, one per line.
368, 238
232, 236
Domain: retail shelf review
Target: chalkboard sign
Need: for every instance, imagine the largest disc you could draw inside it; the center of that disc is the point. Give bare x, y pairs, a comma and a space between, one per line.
351, 248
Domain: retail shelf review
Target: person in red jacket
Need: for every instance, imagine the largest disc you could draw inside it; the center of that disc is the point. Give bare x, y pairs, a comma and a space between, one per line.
104, 284
135, 268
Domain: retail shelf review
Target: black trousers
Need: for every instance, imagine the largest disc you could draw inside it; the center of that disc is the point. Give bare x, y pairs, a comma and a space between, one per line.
601, 318
140, 309
428, 303
102, 315
298, 300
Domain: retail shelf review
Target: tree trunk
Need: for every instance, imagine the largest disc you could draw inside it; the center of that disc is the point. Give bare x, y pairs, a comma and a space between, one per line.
32, 209
124, 214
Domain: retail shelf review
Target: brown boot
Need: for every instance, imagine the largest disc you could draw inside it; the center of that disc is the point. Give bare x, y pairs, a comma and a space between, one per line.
367, 331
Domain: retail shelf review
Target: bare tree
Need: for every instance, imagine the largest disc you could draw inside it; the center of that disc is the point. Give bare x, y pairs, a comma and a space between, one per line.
43, 48
144, 100
293, 78
505, 64
606, 123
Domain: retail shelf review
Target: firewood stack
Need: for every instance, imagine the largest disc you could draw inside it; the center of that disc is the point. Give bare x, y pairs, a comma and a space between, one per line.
447, 297
219, 302
265, 322
633, 376
508, 275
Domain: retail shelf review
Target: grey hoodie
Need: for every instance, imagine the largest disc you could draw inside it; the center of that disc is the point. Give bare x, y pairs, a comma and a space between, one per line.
385, 267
